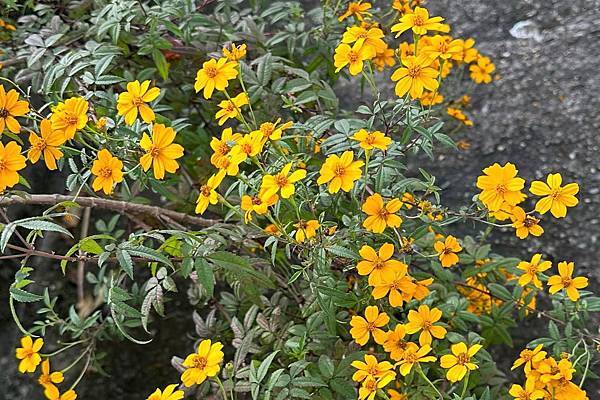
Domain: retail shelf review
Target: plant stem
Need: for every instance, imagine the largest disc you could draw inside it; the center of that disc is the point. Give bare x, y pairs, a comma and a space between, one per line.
221, 387
420, 371
464, 391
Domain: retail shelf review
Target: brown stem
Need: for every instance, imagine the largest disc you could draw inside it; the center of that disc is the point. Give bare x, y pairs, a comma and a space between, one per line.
115, 205
85, 224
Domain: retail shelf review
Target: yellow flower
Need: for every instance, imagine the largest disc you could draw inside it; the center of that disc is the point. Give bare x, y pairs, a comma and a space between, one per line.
431, 98
395, 343
258, 204
161, 152
529, 358
415, 76
381, 214
11, 107
215, 75
223, 146
395, 285
459, 362
370, 368
168, 394
340, 172
306, 229
273, 131
70, 116
443, 47
370, 386
236, 53
52, 393
134, 100
48, 378
525, 224
353, 56
529, 392
230, 163
357, 9
271, 229
468, 53
363, 328
459, 115
384, 57
556, 197
202, 364
282, 182
405, 50
481, 72
421, 290
372, 140
531, 269
208, 194
231, 108
248, 146
370, 37
447, 251
28, 354
379, 265
423, 320
500, 185
564, 280
420, 23
108, 170
11, 161
414, 355
395, 395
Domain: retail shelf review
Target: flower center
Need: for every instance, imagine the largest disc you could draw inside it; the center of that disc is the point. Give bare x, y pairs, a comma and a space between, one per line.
566, 281
462, 359
410, 358
211, 71
532, 269
370, 139
205, 190
137, 101
230, 107
371, 385
339, 170
199, 362
527, 355
379, 264
383, 213
371, 326
223, 148
267, 129
281, 180
353, 57
71, 120
256, 201
414, 71
373, 370
41, 144
501, 189
44, 379
105, 172
418, 20
154, 151
530, 221
4, 113
426, 325
247, 148
2, 164
555, 194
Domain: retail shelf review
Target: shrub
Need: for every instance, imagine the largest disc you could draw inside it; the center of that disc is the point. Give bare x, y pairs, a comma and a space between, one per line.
320, 265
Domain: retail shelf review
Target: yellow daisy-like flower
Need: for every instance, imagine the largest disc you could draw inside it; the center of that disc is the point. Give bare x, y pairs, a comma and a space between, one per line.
272, 130
258, 204
481, 71
379, 264
10, 108
423, 320
415, 76
235, 53
420, 23
47, 143
395, 395
208, 194
161, 152
529, 358
340, 172
248, 146
531, 269
460, 361
447, 251
370, 386
384, 57
443, 47
396, 285
372, 140
231, 108
70, 116
565, 281
168, 394
52, 393
134, 100
28, 353
354, 57
370, 37
108, 170
468, 53
556, 197
524, 224
306, 229
381, 214
500, 185
202, 364
363, 328
231, 163
370, 368
48, 378
215, 74
413, 355
223, 146
282, 182
431, 98
11, 161
459, 115
529, 392
357, 9
395, 343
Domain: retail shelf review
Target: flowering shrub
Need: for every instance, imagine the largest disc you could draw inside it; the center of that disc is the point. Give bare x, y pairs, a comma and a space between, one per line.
212, 136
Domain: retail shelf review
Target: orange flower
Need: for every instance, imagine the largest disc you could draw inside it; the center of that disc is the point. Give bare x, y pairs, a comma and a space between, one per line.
447, 251
380, 214
565, 281
380, 267
108, 170
363, 328
11, 107
423, 320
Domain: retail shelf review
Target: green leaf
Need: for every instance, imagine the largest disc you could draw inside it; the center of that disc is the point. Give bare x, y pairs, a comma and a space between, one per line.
161, 63
264, 366
125, 261
264, 69
500, 291
205, 276
343, 252
41, 225
23, 296
240, 266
